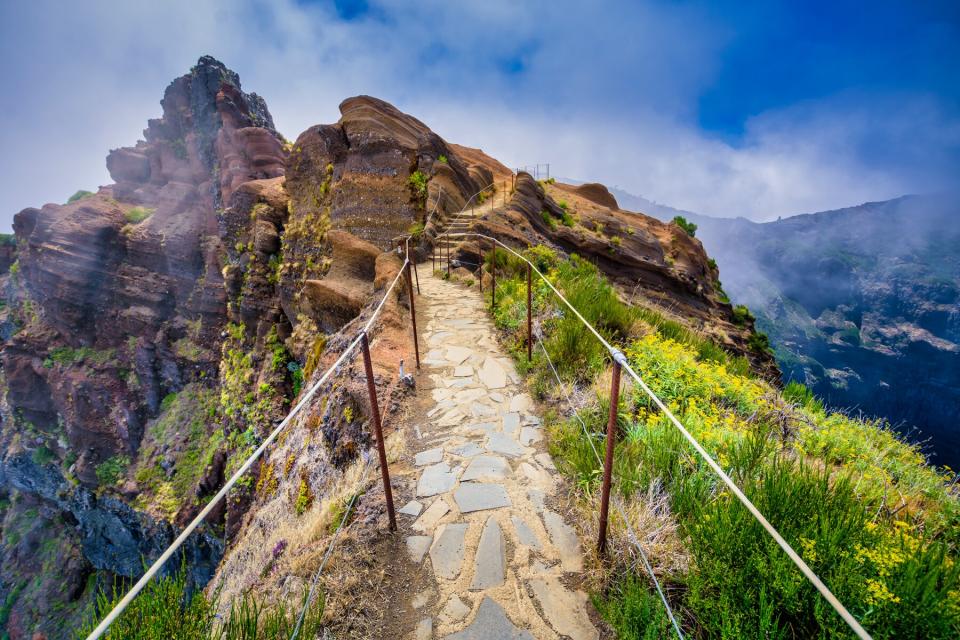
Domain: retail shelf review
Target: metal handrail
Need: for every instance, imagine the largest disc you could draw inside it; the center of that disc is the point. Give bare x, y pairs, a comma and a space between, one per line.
620, 360
253, 457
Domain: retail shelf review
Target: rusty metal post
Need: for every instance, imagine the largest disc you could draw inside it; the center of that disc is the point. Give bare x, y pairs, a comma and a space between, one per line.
480, 268
529, 313
416, 275
608, 461
413, 315
433, 258
448, 257
378, 429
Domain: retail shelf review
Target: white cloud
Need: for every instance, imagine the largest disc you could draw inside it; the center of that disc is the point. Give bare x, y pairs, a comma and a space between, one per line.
607, 94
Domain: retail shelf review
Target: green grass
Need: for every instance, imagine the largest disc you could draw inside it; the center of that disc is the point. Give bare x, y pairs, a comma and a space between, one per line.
112, 469
138, 214
84, 355
633, 611
548, 219
166, 608
863, 508
79, 195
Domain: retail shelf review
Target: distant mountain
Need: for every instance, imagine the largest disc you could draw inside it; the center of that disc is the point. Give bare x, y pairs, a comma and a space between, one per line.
861, 304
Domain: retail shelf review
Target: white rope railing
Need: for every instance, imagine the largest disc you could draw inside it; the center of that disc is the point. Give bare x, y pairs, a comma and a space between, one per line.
828, 595
632, 534
253, 457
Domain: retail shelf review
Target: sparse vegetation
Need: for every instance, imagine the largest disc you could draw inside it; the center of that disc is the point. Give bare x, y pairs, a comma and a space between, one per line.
742, 315
167, 608
548, 219
83, 355
415, 230
111, 470
137, 215
8, 240
418, 183
689, 227
442, 159
79, 195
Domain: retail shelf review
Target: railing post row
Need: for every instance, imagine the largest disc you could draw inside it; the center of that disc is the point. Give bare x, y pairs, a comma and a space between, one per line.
413, 315
608, 460
378, 429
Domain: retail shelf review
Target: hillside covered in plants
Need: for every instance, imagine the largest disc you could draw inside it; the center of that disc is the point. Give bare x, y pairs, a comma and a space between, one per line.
866, 511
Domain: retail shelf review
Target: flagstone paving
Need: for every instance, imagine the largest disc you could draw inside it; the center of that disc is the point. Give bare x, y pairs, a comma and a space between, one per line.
499, 557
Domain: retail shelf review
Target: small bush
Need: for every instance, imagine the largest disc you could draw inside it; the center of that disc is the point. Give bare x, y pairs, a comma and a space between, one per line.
418, 183
138, 214
8, 240
759, 342
548, 219
442, 159
742, 315
415, 230
79, 195
111, 470
689, 227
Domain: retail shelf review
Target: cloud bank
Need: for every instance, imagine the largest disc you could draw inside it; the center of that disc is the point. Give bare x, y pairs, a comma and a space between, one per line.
611, 92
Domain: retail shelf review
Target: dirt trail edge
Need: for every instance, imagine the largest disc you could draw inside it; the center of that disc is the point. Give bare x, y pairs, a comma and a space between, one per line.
482, 555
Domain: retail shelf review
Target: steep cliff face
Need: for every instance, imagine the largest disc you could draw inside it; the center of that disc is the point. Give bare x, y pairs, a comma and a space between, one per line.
115, 305
862, 305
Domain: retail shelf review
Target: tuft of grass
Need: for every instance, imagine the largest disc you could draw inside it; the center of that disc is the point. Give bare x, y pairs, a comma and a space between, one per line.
634, 611
138, 214
169, 608
548, 219
112, 469
79, 195
742, 315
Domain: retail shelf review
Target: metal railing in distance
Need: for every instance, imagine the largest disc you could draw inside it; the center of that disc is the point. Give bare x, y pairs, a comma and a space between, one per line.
361, 341
620, 362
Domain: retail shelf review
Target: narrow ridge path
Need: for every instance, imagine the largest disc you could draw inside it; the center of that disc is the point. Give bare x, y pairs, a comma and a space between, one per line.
491, 558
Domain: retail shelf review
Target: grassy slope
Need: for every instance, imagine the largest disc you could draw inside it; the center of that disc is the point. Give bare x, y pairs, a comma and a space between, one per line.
864, 509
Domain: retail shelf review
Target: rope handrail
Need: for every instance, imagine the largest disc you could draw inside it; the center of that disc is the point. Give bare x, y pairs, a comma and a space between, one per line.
253, 457
621, 359
623, 515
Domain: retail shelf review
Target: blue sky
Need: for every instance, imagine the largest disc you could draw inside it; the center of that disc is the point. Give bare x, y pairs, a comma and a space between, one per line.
725, 108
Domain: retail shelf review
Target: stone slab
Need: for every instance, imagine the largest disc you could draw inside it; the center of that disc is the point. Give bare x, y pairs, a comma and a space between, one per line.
424, 630
564, 538
486, 468
417, 547
466, 450
412, 508
437, 478
492, 375
491, 623
430, 456
434, 513
503, 443
529, 435
489, 565
525, 534
565, 610
448, 550
477, 496
511, 422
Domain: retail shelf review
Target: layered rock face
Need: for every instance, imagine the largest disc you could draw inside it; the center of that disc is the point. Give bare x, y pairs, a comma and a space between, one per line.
655, 264
117, 302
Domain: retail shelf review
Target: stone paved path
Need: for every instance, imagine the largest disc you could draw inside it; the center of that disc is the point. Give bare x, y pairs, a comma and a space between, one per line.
500, 557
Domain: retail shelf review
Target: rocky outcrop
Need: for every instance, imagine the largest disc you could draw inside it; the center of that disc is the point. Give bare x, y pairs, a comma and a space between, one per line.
117, 302
654, 263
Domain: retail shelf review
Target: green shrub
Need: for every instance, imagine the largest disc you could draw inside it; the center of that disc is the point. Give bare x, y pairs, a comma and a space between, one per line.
415, 230
799, 394
442, 159
759, 342
689, 227
418, 183
112, 469
742, 315
8, 240
79, 195
548, 219
43, 456
634, 611
138, 214
567, 219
